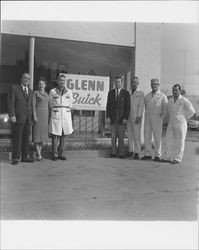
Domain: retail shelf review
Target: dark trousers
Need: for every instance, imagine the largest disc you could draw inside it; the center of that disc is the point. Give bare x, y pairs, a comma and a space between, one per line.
117, 132
20, 141
58, 143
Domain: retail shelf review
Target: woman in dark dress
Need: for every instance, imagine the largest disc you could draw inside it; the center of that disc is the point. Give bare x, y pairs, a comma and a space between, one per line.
41, 116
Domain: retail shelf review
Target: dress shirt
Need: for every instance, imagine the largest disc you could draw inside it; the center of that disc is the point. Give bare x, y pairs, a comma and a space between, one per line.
24, 88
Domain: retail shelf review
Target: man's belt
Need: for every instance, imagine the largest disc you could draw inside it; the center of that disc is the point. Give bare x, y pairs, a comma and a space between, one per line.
62, 107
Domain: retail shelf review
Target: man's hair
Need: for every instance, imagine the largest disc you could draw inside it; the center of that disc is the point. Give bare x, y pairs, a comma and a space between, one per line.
119, 77
59, 76
177, 85
25, 73
154, 79
133, 78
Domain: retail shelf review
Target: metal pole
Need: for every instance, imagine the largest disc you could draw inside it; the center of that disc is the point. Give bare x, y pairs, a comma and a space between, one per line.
184, 80
31, 60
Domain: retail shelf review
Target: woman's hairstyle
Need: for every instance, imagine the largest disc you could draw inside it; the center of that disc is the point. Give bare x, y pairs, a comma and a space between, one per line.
42, 78
177, 85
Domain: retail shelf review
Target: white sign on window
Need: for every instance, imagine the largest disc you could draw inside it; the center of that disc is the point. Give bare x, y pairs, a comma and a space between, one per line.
89, 92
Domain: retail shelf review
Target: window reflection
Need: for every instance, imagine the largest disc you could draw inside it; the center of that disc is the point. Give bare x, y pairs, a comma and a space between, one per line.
53, 56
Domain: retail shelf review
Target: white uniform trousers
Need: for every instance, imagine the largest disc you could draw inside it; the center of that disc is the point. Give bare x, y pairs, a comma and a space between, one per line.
134, 136
153, 126
175, 141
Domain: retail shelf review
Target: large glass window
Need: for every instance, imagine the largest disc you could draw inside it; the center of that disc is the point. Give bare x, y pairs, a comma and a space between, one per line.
14, 61
74, 57
53, 56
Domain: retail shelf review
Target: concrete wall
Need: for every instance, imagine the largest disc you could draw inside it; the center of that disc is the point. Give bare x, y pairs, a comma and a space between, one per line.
147, 53
147, 56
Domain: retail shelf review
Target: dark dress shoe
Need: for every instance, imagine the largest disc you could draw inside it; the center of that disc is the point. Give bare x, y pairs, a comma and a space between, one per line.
27, 160
157, 158
129, 154
121, 156
146, 157
165, 161
63, 158
14, 162
55, 158
136, 156
112, 155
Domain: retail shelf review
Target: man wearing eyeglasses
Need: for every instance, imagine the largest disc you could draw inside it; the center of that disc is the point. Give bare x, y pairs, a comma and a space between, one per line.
117, 113
20, 109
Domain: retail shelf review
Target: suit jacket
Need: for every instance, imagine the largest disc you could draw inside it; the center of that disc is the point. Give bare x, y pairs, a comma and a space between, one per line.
19, 105
117, 110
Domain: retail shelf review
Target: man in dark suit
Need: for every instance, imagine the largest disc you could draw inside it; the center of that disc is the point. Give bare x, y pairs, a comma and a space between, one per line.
117, 113
20, 108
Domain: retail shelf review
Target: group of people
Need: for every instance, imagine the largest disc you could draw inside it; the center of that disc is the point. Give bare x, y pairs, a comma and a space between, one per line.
124, 108
45, 113
50, 114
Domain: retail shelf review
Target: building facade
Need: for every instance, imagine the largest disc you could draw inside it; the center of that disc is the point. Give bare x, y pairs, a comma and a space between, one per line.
46, 48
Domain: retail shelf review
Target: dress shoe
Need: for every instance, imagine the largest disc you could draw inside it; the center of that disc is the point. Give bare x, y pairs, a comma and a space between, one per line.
175, 162
157, 158
146, 157
14, 162
136, 156
112, 155
165, 161
55, 158
27, 160
129, 154
63, 158
121, 156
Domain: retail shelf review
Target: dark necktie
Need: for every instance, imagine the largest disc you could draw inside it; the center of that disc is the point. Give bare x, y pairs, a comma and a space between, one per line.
26, 92
117, 94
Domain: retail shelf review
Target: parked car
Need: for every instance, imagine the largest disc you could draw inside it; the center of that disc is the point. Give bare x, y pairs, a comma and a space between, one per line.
5, 125
193, 124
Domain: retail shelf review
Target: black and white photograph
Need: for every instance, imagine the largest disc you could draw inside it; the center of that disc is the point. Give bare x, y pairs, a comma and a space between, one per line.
99, 125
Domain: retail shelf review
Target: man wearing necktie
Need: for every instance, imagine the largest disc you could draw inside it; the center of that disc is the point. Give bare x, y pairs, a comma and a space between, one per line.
20, 109
117, 113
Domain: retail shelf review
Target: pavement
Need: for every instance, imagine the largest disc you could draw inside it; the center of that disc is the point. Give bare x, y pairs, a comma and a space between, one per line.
89, 186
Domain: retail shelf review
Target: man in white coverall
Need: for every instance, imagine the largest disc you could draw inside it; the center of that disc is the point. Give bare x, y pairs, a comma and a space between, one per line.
60, 117
155, 109
135, 120
180, 109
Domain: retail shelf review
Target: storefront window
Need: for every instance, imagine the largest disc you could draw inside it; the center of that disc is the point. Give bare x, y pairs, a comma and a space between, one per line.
53, 56
14, 61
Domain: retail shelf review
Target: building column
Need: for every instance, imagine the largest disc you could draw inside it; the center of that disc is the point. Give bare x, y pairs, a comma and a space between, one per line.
31, 60
147, 56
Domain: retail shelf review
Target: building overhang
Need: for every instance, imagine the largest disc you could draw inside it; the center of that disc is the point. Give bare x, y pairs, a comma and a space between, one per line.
114, 33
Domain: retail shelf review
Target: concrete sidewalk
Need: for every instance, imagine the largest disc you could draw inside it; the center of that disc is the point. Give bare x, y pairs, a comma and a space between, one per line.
89, 186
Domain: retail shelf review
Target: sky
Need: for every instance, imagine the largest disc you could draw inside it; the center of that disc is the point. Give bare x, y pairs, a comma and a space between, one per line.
180, 55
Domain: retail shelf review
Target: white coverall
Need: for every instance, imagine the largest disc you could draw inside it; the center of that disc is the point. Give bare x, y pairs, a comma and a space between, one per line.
60, 106
134, 130
176, 133
155, 110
